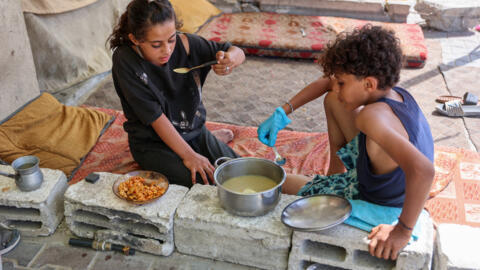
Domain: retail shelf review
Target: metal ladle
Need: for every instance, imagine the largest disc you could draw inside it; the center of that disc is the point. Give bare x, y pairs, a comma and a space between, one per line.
186, 70
279, 160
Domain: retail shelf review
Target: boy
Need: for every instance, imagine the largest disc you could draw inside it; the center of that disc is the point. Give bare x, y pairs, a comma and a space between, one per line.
383, 141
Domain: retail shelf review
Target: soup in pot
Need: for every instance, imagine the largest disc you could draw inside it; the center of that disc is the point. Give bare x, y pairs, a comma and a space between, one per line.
249, 184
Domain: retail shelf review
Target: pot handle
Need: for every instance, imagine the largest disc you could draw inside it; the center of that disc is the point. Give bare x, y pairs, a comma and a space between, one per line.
8, 175
220, 161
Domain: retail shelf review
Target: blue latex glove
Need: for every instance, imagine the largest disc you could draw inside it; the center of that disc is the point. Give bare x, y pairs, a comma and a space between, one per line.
268, 130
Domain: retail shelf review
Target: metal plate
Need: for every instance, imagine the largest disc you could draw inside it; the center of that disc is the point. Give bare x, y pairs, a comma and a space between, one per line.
317, 212
149, 176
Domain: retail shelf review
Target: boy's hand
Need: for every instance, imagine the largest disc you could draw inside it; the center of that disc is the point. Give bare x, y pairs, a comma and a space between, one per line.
268, 130
386, 241
225, 63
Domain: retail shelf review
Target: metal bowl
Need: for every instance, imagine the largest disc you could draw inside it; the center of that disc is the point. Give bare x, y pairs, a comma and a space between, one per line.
149, 176
255, 204
317, 212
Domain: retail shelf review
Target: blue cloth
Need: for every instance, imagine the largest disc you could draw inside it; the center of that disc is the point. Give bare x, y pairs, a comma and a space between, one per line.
366, 216
268, 130
389, 189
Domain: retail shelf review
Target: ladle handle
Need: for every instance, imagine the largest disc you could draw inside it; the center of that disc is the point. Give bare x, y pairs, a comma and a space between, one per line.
8, 175
214, 62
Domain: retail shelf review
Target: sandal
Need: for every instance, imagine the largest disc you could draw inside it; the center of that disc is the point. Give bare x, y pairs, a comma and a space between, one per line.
456, 109
468, 99
9, 239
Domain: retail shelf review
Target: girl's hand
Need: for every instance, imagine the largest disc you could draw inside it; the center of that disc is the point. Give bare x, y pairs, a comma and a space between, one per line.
197, 163
225, 63
386, 241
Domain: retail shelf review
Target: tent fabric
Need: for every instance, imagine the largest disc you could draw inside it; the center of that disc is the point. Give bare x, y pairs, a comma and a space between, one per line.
53, 6
70, 46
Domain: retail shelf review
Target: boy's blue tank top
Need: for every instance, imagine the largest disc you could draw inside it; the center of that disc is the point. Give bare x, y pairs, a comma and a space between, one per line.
389, 189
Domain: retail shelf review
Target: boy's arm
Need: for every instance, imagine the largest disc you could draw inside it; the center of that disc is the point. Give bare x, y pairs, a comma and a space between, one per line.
268, 129
375, 121
312, 91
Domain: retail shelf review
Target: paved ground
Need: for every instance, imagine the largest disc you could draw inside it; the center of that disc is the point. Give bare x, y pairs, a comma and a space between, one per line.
247, 97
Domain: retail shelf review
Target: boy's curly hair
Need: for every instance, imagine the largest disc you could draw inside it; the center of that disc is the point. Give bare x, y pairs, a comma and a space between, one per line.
368, 51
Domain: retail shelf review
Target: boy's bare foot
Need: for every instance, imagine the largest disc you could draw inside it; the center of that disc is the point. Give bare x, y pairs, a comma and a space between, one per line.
224, 135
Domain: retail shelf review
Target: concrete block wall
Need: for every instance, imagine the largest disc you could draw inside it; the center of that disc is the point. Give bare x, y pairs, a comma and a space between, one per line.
203, 228
450, 16
94, 211
377, 10
456, 248
380, 10
33, 213
347, 247
193, 222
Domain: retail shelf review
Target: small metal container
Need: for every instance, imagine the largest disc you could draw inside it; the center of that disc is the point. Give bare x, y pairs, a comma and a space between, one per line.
251, 205
28, 175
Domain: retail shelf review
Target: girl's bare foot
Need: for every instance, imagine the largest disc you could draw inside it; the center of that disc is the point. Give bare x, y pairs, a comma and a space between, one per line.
224, 135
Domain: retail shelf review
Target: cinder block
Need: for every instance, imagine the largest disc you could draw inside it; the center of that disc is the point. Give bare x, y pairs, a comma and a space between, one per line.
37, 212
94, 211
456, 248
347, 247
203, 228
394, 11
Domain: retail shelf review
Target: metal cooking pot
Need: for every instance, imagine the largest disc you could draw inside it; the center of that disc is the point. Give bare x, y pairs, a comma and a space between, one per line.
251, 205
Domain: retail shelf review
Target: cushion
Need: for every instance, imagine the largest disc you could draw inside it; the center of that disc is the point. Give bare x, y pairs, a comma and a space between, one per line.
298, 36
193, 13
60, 136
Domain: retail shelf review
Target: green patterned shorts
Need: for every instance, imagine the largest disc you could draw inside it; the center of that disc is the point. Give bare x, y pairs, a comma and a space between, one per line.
342, 184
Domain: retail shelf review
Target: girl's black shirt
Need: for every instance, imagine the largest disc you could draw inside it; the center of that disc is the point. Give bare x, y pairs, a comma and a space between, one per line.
147, 91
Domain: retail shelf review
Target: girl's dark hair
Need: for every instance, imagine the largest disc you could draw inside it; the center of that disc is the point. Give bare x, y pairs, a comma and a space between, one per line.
139, 16
368, 51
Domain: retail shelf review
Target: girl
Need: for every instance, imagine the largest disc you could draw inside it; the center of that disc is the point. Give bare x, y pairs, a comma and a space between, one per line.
164, 110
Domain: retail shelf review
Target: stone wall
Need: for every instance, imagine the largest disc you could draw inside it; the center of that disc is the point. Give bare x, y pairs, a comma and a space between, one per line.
17, 71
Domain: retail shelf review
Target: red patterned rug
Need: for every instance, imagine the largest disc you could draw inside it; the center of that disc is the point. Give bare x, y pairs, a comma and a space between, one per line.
299, 36
454, 196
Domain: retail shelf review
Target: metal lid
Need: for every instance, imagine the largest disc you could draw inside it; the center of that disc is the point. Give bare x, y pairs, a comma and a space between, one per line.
317, 212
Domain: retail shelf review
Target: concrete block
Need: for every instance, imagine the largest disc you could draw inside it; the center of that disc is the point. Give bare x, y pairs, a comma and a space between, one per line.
34, 213
450, 16
203, 228
19, 80
347, 247
456, 247
94, 211
394, 11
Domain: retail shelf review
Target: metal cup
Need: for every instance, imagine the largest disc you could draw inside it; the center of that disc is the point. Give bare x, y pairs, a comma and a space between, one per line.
28, 175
